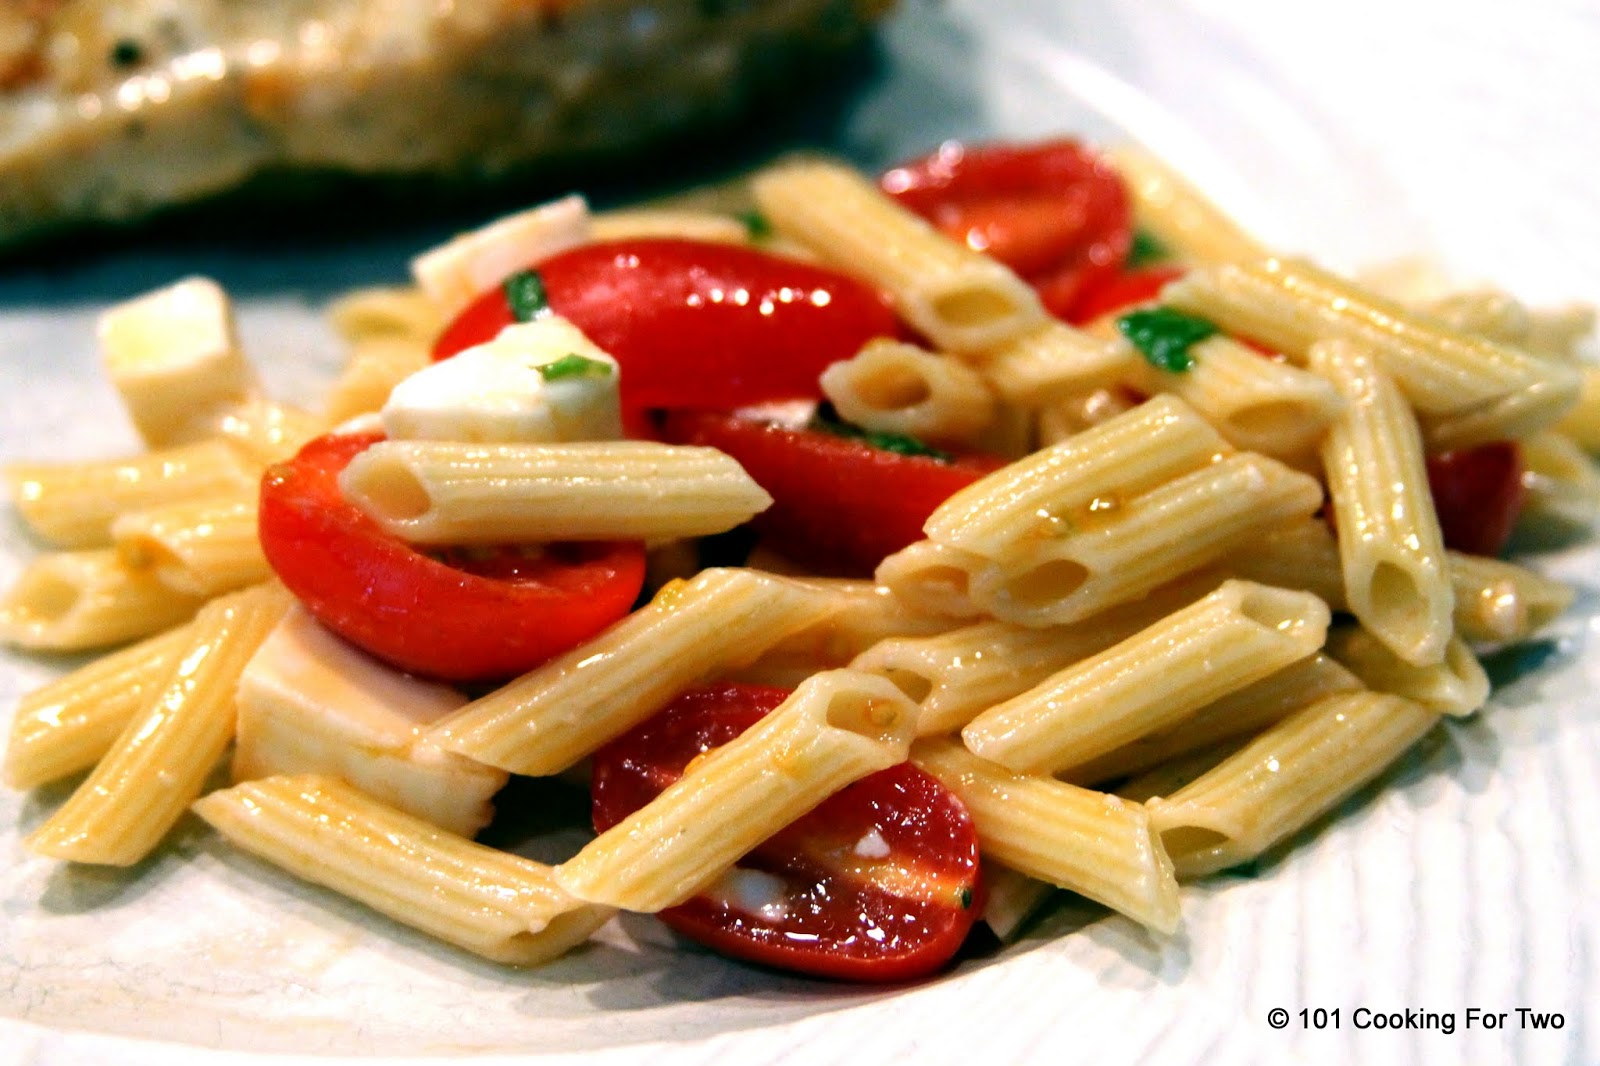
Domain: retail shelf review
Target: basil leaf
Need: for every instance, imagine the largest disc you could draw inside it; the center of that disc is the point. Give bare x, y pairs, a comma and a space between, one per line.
1164, 336
525, 293
573, 365
827, 420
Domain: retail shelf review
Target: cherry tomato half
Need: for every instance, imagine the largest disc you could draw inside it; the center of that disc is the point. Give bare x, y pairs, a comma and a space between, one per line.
695, 324
839, 505
1054, 211
1126, 288
416, 612
879, 883
1478, 494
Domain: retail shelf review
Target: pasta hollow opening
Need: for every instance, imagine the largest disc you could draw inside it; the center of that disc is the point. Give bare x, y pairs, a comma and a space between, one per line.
1047, 583
1192, 840
1274, 609
46, 597
1394, 597
391, 490
865, 715
894, 388
916, 687
974, 306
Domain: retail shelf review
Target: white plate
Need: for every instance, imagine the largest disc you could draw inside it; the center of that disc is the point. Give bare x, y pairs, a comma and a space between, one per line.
1462, 882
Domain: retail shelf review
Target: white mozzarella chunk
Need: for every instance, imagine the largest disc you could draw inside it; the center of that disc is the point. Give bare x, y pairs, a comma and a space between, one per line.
508, 391
174, 357
454, 274
311, 703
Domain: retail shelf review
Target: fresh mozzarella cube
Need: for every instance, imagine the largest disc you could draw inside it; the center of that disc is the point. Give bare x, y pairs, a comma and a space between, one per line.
310, 703
454, 274
174, 357
537, 381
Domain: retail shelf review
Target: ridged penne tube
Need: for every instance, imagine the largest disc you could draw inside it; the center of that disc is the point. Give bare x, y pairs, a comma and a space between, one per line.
457, 272
1048, 494
1238, 714
932, 578
265, 432
1139, 544
1285, 778
1063, 418
1257, 404
72, 505
1088, 842
399, 311
836, 728
668, 222
556, 714
67, 725
862, 615
1562, 481
1011, 898
1454, 685
963, 301
74, 601
1178, 214
159, 763
1055, 361
894, 387
1235, 636
198, 547
441, 492
1553, 332
376, 366
1390, 547
1180, 772
1289, 305
1582, 423
491, 903
1523, 413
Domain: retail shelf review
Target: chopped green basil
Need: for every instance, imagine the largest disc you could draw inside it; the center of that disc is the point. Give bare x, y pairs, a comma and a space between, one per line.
525, 293
1165, 336
573, 365
827, 420
1146, 250
757, 225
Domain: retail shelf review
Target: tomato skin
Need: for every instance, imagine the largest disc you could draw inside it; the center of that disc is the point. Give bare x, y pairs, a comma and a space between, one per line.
1478, 494
417, 613
835, 924
1123, 289
695, 324
839, 505
1052, 211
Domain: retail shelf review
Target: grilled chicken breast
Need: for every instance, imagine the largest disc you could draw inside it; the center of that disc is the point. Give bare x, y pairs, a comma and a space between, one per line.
111, 108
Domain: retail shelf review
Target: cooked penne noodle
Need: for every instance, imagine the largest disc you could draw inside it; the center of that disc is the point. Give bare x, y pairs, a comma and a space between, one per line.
74, 601
1289, 305
199, 547
265, 432
441, 492
932, 578
894, 387
960, 299
1455, 685
1582, 423
1554, 332
458, 271
1179, 773
1050, 493
402, 312
1257, 404
376, 366
668, 222
1139, 544
497, 905
160, 761
1074, 414
836, 728
1523, 413
1238, 714
1088, 842
72, 505
1056, 361
1179, 215
1011, 899
1390, 547
1562, 482
1285, 778
556, 714
67, 725
1231, 638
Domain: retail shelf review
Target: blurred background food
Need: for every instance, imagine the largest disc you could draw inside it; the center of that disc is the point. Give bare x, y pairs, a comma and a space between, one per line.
111, 110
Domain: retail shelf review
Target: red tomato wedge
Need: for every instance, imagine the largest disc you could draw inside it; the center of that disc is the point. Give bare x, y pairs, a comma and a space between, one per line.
879, 883
695, 324
494, 615
839, 505
1478, 494
1121, 290
1053, 211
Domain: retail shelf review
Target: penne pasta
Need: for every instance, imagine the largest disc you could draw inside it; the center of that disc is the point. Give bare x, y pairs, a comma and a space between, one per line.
74, 601
1055, 362
836, 728
553, 716
199, 547
457, 272
1179, 773
1562, 483
1390, 547
265, 432
1582, 423
401, 312
894, 387
1087, 842
1285, 778
932, 578
500, 906
1074, 414
1231, 638
679, 223
1179, 215
160, 761
1456, 684
377, 365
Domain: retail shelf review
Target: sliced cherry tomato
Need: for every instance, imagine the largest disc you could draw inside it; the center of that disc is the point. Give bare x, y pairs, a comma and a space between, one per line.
694, 324
1121, 290
879, 883
1053, 211
495, 614
1478, 493
839, 505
